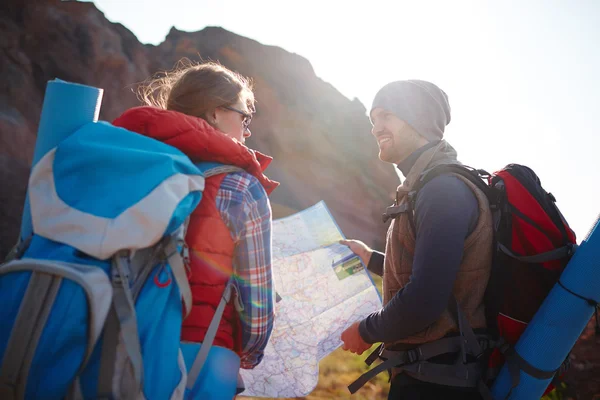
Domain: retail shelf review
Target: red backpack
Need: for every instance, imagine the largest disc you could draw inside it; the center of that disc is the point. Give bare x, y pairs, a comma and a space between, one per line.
533, 244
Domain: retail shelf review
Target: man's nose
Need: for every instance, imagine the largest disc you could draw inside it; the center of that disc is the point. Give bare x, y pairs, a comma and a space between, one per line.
377, 128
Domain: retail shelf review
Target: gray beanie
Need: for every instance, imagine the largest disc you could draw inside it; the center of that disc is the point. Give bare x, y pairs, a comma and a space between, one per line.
421, 104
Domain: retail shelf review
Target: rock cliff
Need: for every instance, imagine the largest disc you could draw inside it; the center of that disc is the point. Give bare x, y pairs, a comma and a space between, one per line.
319, 139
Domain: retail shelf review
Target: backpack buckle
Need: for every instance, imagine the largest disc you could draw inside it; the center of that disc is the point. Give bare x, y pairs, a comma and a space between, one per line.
572, 249
505, 348
121, 275
394, 211
186, 257
413, 355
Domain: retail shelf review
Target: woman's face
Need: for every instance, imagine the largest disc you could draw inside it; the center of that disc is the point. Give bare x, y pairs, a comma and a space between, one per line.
234, 120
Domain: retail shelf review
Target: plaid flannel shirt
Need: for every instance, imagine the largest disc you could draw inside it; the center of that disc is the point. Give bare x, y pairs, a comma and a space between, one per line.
244, 206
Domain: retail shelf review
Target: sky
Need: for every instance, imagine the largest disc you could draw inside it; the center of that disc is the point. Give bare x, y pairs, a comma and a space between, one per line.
522, 76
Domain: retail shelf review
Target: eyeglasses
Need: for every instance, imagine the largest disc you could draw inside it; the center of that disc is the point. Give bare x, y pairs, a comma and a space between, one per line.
247, 117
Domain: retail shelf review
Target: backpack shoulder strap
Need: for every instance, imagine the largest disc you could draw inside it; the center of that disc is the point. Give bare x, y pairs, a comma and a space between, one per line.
212, 168
473, 175
31, 319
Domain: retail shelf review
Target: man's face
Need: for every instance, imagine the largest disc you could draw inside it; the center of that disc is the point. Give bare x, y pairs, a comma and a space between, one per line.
394, 136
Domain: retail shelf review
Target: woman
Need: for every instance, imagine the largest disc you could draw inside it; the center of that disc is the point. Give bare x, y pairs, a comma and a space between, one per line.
205, 111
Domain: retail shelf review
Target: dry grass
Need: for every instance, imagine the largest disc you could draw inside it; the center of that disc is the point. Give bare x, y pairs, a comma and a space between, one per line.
340, 369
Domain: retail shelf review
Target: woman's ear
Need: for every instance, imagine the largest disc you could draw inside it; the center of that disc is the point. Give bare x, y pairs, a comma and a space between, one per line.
212, 117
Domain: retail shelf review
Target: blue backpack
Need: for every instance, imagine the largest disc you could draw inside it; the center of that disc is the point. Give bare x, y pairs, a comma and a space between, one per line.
93, 302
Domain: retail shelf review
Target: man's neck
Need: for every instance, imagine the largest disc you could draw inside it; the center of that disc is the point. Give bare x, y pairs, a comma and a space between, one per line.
406, 165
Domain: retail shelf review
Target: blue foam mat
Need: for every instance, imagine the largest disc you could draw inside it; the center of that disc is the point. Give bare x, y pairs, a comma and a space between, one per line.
67, 107
556, 326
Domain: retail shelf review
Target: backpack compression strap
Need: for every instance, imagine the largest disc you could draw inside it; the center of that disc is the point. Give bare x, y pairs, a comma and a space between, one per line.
123, 316
209, 338
179, 274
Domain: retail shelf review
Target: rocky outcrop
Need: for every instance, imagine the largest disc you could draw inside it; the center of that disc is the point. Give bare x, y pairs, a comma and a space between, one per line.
73, 41
13, 186
319, 139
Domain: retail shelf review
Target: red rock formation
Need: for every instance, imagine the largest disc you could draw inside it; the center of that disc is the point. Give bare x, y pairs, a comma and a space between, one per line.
43, 40
320, 140
13, 186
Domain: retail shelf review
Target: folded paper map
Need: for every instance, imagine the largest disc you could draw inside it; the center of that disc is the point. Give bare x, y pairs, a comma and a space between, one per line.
322, 289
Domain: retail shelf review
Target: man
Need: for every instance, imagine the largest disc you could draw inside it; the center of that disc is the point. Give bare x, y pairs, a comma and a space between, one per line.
439, 253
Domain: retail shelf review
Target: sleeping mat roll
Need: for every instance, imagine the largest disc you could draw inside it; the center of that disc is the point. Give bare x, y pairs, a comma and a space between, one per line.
556, 326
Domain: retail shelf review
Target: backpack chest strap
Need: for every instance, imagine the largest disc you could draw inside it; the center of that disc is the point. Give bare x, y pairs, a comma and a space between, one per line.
401, 207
